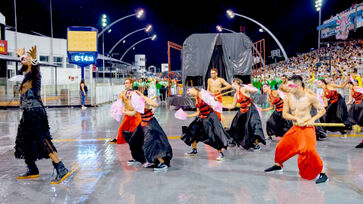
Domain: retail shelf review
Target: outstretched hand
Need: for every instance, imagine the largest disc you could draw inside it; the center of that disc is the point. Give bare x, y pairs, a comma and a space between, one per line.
33, 52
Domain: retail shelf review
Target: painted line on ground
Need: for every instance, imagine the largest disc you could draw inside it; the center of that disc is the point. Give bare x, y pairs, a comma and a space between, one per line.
170, 138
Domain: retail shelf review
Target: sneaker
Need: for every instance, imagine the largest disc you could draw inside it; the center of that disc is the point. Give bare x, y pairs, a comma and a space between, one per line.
360, 145
149, 165
113, 141
161, 167
133, 162
194, 152
322, 178
274, 168
29, 175
62, 173
256, 148
220, 156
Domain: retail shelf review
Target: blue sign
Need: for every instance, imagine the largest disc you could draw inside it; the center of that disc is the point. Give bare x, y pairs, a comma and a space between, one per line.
82, 44
85, 58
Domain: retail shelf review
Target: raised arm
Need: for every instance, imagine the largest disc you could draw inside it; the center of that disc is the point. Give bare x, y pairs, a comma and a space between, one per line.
339, 86
250, 89
148, 100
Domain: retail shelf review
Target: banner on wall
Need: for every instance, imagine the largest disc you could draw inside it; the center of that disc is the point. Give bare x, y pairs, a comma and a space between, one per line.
343, 23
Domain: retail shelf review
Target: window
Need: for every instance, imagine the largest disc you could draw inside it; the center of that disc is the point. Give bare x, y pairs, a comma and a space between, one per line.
58, 61
69, 65
43, 58
11, 54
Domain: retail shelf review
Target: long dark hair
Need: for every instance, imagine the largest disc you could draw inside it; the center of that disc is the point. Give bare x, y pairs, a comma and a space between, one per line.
82, 82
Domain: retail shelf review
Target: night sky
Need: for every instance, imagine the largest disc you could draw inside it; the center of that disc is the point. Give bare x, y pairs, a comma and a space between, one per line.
293, 22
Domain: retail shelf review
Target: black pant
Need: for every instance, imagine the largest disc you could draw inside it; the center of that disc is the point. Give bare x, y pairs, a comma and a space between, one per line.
163, 94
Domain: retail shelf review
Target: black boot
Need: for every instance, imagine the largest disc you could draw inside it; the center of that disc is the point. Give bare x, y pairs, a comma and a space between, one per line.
32, 171
62, 173
360, 145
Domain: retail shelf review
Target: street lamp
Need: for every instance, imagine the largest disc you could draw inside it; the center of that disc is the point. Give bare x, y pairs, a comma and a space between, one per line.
318, 4
232, 14
220, 29
260, 30
148, 38
147, 29
139, 13
104, 24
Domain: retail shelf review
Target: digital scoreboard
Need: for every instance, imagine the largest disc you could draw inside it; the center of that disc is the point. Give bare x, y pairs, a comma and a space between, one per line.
82, 45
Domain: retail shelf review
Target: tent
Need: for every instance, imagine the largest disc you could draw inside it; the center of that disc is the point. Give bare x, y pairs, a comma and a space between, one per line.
230, 53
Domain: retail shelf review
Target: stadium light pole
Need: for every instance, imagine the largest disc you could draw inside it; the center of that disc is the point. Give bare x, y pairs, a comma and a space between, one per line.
140, 13
104, 24
147, 29
220, 29
148, 38
232, 14
318, 4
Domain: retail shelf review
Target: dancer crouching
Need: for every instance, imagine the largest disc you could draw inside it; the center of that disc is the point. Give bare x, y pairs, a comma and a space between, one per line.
301, 138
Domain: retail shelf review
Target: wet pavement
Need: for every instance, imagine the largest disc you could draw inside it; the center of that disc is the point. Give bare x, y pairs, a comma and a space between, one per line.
100, 173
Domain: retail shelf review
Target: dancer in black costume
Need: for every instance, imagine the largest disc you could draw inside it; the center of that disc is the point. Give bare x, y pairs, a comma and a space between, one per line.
276, 125
336, 109
206, 128
356, 108
33, 141
246, 127
156, 147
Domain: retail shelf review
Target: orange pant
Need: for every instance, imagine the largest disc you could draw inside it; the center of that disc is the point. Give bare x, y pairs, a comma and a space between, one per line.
129, 123
219, 99
302, 141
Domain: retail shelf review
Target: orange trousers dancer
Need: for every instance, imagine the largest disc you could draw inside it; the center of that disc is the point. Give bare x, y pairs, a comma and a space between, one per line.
219, 99
301, 141
129, 123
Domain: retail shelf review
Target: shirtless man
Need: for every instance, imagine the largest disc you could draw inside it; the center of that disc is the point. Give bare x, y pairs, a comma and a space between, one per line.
215, 84
301, 138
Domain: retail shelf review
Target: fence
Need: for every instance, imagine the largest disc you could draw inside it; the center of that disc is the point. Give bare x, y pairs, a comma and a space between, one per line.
99, 91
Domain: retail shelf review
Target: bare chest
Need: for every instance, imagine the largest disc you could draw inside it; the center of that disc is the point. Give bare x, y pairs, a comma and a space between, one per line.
215, 83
